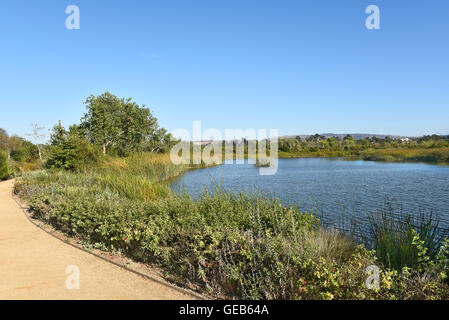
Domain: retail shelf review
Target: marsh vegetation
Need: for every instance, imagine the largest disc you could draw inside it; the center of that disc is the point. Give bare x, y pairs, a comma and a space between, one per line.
104, 182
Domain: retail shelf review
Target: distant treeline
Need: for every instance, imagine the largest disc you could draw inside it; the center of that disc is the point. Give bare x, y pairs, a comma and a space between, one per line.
113, 126
120, 127
430, 148
16, 154
319, 143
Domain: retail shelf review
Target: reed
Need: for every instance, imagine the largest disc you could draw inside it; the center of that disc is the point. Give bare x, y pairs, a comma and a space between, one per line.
227, 244
391, 233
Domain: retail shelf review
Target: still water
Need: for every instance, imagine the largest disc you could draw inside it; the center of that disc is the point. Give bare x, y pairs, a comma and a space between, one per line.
334, 189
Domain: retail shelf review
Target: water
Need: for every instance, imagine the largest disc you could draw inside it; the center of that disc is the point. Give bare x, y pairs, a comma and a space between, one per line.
334, 189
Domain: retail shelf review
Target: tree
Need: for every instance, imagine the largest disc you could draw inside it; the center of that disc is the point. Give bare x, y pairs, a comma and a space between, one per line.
4, 171
59, 134
333, 142
348, 142
365, 143
159, 141
4, 141
37, 136
138, 125
70, 150
324, 144
18, 148
116, 122
101, 122
14, 143
26, 152
316, 138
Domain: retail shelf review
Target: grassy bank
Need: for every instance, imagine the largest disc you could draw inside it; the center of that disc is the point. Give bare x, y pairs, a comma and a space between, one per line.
432, 155
433, 149
428, 155
226, 244
318, 154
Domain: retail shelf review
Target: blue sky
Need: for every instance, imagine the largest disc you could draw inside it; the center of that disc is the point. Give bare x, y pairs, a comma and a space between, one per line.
297, 66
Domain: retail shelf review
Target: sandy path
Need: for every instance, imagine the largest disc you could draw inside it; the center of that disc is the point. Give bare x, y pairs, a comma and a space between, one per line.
33, 265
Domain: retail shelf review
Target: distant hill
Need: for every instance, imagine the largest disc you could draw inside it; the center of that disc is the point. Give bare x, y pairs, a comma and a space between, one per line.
356, 136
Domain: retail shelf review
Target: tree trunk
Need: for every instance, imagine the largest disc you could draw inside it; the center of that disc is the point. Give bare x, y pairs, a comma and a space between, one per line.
104, 148
40, 153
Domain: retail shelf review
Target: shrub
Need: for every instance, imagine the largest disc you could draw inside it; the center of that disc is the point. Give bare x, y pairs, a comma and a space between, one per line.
27, 152
228, 244
72, 153
4, 170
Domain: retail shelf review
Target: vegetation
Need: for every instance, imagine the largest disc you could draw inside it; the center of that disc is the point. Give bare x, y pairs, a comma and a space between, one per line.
434, 149
4, 170
121, 124
394, 235
17, 155
227, 244
262, 162
431, 155
105, 183
431, 149
70, 150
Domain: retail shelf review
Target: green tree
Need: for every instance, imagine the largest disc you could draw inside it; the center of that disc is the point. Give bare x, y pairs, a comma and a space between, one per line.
3, 139
333, 142
116, 122
14, 143
30, 151
70, 150
17, 148
324, 144
4, 170
59, 134
159, 141
348, 142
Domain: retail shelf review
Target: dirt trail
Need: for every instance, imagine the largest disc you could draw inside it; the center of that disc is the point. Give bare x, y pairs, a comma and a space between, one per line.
33, 265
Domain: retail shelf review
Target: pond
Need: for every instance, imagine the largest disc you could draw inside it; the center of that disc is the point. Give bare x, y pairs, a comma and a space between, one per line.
336, 190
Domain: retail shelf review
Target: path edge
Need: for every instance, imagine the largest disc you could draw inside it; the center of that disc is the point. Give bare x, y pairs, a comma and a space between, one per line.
148, 277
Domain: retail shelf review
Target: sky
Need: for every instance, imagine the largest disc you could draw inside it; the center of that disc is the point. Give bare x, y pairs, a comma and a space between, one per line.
301, 67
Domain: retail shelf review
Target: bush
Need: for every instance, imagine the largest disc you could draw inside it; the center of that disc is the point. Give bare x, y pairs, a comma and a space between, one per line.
4, 169
228, 244
72, 153
27, 152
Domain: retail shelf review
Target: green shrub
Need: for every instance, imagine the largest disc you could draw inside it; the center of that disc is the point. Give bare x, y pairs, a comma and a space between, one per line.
228, 244
4, 169
72, 153
27, 152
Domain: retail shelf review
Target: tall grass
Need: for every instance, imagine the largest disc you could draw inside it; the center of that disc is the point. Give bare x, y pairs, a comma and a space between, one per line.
432, 155
228, 244
391, 233
231, 244
139, 177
